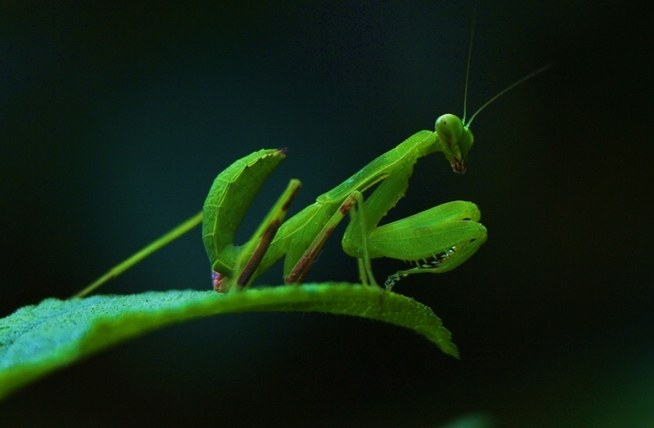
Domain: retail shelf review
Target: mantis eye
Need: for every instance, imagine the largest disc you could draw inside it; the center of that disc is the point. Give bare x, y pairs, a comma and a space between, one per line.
449, 129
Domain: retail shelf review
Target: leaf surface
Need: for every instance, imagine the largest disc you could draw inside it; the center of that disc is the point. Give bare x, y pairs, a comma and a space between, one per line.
36, 340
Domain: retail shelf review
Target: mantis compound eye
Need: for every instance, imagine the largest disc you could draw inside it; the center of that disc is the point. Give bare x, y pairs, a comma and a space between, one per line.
449, 129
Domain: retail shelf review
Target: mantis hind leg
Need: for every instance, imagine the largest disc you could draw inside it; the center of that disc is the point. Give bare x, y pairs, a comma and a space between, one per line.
254, 250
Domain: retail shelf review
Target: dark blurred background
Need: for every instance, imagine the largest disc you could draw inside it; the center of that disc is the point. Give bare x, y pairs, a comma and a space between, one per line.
115, 117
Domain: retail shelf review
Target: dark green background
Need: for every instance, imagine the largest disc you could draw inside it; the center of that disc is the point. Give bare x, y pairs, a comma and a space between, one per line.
116, 116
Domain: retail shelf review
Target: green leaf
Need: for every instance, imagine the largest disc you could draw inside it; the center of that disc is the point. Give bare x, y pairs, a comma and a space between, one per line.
36, 340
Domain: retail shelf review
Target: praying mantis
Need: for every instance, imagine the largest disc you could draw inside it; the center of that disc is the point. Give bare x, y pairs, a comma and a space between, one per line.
447, 234
436, 240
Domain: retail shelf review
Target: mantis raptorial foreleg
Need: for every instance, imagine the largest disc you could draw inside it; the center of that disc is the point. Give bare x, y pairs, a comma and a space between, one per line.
436, 240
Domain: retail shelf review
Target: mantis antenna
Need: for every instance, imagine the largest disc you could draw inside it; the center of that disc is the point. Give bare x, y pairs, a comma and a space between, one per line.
527, 77
504, 91
465, 91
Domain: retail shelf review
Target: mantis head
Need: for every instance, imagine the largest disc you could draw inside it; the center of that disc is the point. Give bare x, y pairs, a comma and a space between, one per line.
455, 134
456, 140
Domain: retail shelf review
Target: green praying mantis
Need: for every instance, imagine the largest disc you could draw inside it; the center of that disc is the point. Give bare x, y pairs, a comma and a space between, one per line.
436, 240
